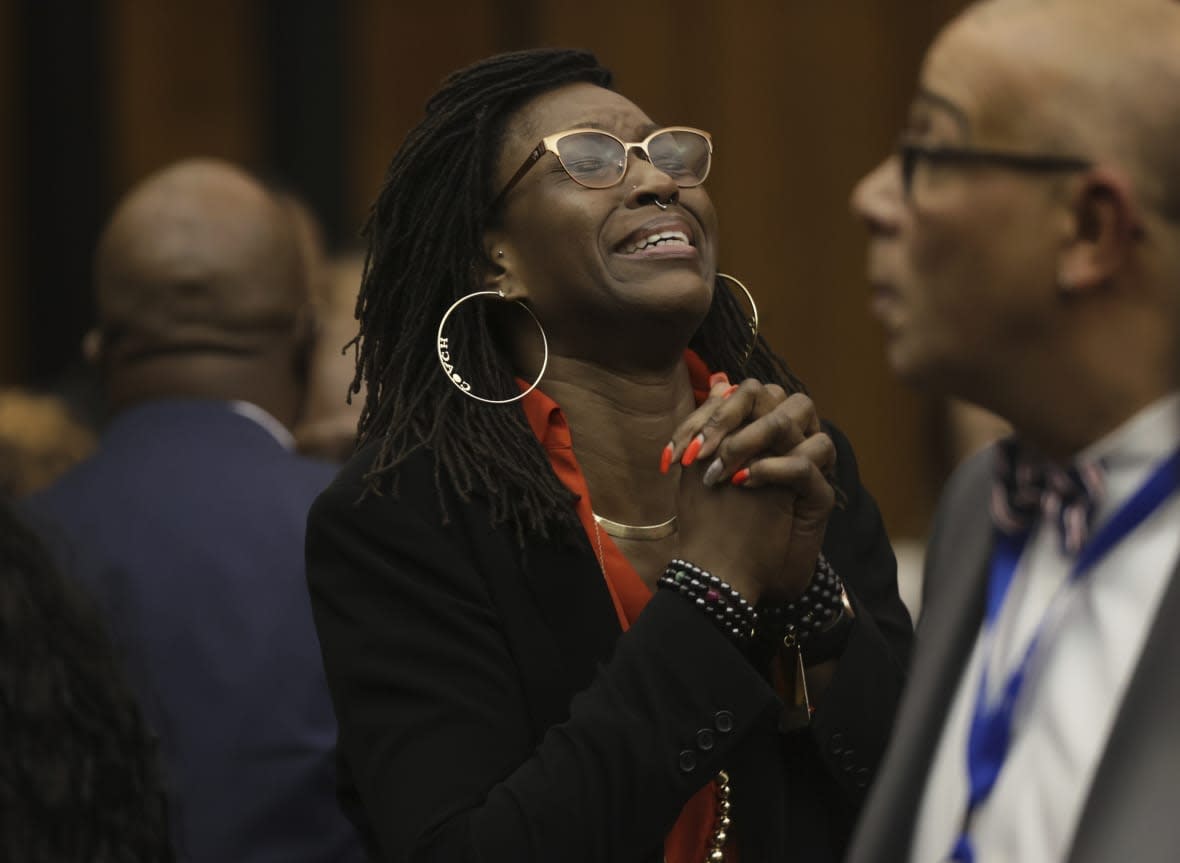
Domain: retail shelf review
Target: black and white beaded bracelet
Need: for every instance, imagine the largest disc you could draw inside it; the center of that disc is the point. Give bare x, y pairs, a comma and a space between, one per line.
728, 610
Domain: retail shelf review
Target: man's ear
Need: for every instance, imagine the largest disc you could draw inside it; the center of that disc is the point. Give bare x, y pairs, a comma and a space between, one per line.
92, 347
307, 325
305, 336
503, 273
306, 332
1105, 228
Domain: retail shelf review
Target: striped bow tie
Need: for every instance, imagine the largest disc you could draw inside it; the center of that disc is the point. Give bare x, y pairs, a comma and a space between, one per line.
1028, 487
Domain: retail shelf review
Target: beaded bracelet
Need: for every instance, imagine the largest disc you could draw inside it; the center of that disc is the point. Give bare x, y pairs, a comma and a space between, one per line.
728, 610
821, 608
829, 642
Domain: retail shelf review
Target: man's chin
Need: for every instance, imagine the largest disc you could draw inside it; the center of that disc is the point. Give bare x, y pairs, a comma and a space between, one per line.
909, 367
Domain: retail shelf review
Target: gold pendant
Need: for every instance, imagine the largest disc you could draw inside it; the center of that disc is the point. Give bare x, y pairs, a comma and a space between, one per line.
798, 715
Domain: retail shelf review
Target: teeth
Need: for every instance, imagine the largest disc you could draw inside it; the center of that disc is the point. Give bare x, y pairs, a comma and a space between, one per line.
678, 237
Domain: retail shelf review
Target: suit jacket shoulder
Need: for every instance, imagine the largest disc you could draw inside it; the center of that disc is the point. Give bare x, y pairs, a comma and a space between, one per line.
952, 608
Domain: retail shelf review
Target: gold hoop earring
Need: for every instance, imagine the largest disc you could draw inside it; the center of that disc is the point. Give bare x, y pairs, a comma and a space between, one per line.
444, 352
753, 322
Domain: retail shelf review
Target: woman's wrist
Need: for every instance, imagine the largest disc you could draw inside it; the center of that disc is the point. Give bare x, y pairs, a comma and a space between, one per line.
723, 604
817, 622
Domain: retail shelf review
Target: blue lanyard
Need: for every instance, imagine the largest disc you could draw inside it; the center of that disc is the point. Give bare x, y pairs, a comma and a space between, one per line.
991, 724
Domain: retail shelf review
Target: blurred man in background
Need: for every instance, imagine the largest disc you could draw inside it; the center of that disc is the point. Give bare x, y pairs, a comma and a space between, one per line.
188, 522
1025, 255
328, 427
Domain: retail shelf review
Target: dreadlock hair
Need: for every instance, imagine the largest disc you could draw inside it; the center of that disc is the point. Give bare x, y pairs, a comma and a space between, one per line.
79, 774
425, 234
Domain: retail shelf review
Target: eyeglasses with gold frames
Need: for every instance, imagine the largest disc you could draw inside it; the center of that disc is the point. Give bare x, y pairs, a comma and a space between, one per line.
598, 160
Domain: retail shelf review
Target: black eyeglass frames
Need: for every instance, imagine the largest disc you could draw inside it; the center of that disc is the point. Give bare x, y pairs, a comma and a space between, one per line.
911, 154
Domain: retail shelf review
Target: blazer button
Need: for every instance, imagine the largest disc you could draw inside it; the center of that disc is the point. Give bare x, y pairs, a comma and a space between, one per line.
836, 744
688, 761
704, 740
723, 721
847, 761
861, 778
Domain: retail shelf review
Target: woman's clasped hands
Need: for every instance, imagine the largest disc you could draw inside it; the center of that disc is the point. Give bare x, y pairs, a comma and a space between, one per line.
754, 496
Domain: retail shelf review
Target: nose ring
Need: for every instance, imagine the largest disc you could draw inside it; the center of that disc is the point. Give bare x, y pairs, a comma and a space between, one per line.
661, 204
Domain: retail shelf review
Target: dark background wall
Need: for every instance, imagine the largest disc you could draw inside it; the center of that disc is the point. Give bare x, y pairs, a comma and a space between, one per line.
801, 98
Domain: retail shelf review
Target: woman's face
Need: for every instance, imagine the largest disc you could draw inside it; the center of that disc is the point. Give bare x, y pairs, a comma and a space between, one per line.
572, 253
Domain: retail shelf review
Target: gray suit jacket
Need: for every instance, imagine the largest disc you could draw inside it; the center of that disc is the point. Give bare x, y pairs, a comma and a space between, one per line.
1130, 813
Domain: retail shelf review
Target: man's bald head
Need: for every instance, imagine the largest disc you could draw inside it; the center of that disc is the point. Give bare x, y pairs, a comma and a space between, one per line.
1094, 78
202, 292
1028, 237
198, 258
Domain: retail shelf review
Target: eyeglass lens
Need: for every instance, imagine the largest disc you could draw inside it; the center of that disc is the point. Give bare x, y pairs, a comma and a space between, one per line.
598, 160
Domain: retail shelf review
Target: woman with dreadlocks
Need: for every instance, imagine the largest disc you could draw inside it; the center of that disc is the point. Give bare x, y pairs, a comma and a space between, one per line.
79, 772
579, 598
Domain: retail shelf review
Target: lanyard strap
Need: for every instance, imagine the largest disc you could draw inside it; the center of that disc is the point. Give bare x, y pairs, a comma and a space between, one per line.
991, 729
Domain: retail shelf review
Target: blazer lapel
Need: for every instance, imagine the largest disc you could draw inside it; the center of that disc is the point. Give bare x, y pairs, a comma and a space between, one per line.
575, 605
955, 589
558, 617
1130, 812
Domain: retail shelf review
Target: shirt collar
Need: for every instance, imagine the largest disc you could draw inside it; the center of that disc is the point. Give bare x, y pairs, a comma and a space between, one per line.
263, 418
548, 422
1148, 436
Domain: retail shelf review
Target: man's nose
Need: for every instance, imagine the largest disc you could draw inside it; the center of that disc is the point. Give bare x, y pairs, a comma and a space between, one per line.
876, 199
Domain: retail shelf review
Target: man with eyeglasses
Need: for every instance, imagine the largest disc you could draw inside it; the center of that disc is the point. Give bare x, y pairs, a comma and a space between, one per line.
1025, 254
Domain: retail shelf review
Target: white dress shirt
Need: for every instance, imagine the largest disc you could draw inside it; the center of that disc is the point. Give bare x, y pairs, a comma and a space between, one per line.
1089, 647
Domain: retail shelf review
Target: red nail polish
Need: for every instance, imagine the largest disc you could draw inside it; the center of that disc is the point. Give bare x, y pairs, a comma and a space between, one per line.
666, 459
741, 476
729, 391
690, 454
718, 378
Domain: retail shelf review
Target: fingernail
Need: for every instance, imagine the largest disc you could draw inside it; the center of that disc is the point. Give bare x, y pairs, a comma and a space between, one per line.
741, 476
666, 459
729, 391
714, 471
690, 454
718, 378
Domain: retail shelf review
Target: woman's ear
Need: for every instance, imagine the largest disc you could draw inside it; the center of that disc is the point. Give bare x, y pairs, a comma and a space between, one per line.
1105, 229
503, 274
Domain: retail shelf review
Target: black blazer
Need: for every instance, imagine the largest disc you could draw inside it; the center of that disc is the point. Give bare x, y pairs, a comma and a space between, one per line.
490, 708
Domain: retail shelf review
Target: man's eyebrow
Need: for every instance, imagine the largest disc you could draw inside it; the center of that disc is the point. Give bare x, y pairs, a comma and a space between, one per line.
945, 104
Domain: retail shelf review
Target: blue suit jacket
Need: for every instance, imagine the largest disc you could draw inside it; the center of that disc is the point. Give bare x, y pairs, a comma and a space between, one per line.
188, 527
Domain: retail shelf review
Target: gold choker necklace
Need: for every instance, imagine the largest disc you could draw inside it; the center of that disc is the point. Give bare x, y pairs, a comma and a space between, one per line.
636, 531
